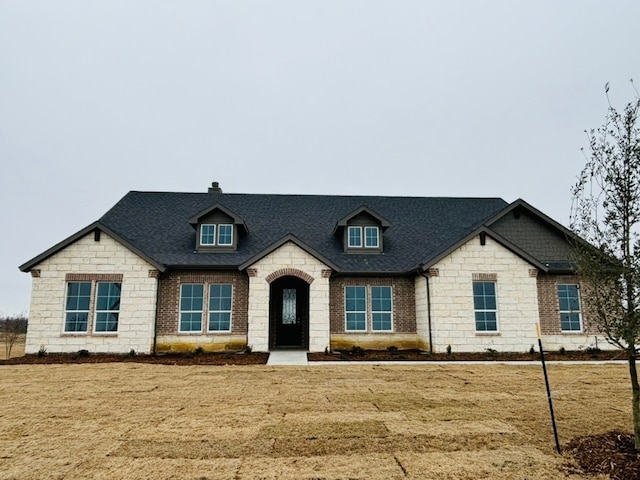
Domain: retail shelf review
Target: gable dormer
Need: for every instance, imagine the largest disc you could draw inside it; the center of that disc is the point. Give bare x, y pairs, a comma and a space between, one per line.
217, 229
362, 231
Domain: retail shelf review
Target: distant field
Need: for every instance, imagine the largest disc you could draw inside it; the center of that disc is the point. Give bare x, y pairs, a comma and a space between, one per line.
16, 351
140, 421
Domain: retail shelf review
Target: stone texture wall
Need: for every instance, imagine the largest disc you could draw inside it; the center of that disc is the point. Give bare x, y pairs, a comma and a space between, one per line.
452, 309
289, 259
169, 339
91, 260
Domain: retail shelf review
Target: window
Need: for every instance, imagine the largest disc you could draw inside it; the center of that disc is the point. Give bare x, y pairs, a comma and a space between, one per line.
77, 307
191, 301
355, 307
569, 303
107, 307
381, 308
355, 237
225, 234
357, 311
485, 306
208, 235
371, 237
220, 307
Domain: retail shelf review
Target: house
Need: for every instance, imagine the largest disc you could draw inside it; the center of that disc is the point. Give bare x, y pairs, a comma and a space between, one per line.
167, 271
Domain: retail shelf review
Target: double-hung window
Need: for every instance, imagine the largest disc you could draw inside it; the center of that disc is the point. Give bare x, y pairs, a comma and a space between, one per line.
191, 302
208, 234
355, 307
355, 237
360, 315
220, 307
367, 237
381, 309
212, 234
485, 306
77, 307
106, 309
569, 306
371, 237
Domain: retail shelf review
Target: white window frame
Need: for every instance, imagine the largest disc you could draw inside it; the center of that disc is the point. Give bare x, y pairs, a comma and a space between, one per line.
354, 227
486, 310
218, 237
210, 311
377, 230
390, 312
215, 230
96, 311
88, 312
579, 311
180, 311
365, 311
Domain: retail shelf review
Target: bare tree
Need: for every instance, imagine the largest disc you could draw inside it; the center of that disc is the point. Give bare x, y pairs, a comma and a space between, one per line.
606, 213
10, 330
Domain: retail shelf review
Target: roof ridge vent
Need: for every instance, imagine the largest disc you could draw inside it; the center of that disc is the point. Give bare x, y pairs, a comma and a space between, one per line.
215, 188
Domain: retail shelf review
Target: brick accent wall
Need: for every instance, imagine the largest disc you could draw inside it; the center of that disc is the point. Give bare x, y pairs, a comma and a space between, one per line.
404, 301
169, 307
549, 308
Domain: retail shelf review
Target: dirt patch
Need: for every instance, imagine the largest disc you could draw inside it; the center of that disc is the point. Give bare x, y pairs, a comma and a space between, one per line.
361, 355
611, 453
206, 358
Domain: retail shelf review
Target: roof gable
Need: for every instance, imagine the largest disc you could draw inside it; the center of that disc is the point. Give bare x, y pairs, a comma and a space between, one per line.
194, 220
383, 222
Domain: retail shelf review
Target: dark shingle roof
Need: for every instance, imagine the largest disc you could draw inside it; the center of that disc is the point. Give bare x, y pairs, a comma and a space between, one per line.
157, 223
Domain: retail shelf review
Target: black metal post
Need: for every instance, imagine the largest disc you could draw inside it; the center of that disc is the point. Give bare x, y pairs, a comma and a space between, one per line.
546, 381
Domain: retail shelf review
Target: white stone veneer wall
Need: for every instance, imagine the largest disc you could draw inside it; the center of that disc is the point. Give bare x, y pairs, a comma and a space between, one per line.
288, 255
48, 295
422, 311
453, 319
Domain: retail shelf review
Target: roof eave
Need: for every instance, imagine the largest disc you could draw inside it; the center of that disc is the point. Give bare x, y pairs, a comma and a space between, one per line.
27, 266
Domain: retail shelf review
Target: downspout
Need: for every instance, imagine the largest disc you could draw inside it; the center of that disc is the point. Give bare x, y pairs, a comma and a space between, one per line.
426, 277
155, 320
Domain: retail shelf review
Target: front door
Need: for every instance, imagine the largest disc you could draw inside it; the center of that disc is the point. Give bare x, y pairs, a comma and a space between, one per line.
289, 312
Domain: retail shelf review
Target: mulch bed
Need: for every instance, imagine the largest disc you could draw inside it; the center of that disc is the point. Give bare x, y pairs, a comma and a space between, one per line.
611, 453
206, 358
360, 355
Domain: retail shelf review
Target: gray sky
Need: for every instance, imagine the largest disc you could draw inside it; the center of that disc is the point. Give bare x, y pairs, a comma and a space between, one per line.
417, 98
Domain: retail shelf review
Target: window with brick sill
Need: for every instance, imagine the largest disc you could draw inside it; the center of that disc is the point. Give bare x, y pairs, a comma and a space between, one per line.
485, 307
104, 311
219, 300
362, 315
569, 308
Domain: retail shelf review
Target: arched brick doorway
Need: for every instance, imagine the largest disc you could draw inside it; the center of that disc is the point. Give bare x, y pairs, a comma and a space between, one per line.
289, 313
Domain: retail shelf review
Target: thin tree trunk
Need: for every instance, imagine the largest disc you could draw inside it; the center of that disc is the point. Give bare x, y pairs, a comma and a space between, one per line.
635, 399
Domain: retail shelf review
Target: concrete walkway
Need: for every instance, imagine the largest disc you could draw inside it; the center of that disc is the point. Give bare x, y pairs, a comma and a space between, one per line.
288, 357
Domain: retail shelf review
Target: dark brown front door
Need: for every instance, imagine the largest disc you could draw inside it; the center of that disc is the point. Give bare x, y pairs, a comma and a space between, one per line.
289, 312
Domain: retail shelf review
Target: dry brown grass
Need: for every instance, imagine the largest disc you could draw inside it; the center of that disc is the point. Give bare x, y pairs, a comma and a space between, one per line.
110, 421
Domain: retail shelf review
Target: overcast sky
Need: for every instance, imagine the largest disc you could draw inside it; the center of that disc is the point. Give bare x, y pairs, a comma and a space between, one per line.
417, 98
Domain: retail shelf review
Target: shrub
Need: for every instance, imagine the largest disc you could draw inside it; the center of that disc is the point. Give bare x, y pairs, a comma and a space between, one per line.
392, 349
492, 352
83, 353
562, 351
248, 349
448, 349
42, 351
357, 351
198, 351
132, 353
532, 351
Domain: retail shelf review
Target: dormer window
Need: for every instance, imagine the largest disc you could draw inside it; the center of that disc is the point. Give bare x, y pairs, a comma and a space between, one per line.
208, 234
371, 237
217, 229
362, 231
